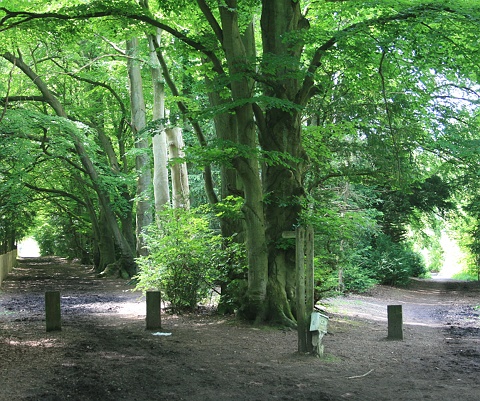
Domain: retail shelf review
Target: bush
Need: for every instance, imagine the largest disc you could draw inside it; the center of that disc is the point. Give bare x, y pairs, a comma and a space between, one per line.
185, 258
394, 263
358, 279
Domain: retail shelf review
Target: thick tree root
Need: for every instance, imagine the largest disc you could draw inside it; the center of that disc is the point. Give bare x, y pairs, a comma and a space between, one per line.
115, 270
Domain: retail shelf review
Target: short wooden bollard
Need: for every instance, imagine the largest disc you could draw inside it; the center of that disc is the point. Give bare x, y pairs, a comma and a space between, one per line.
395, 322
153, 319
52, 311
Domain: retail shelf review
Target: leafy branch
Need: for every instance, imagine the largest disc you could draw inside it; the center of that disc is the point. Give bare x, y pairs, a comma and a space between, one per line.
413, 13
23, 17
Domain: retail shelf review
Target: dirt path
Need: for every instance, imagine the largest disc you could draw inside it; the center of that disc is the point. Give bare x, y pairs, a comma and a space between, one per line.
105, 353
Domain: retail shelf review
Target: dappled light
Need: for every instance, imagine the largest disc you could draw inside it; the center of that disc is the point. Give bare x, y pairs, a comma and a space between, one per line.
103, 337
46, 343
453, 256
256, 176
28, 248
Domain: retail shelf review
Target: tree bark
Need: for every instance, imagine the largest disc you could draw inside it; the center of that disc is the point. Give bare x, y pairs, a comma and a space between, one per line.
125, 216
144, 215
106, 246
247, 166
282, 133
161, 189
207, 172
226, 129
178, 170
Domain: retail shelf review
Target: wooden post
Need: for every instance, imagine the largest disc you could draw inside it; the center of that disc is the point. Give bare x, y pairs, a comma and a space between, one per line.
300, 284
309, 283
304, 284
154, 320
395, 322
52, 311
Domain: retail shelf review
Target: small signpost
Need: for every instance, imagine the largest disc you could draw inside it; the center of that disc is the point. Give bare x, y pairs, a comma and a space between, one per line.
318, 328
52, 311
310, 327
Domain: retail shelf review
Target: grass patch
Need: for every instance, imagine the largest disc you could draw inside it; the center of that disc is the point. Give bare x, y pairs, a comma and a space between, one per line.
465, 276
330, 358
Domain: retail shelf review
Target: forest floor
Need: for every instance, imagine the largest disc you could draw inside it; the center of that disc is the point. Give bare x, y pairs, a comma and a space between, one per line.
103, 351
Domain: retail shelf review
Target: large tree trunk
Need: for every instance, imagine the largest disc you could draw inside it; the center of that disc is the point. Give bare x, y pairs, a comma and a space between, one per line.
247, 166
144, 215
284, 186
282, 133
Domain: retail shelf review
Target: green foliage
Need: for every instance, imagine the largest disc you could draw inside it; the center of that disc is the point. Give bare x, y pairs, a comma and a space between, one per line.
400, 208
436, 257
344, 221
65, 235
467, 275
229, 207
393, 263
51, 239
233, 277
358, 279
391, 126
186, 257
325, 276
467, 228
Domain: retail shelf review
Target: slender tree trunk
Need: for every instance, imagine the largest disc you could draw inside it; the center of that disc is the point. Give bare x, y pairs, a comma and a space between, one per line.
160, 172
144, 215
159, 142
106, 246
207, 170
125, 215
178, 170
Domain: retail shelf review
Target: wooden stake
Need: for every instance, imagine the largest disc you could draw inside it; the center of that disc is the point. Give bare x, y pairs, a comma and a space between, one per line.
154, 320
309, 283
300, 281
395, 322
52, 311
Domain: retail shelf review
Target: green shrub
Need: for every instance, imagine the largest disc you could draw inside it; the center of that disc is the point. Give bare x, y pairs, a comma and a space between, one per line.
233, 296
358, 279
185, 260
394, 263
466, 275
